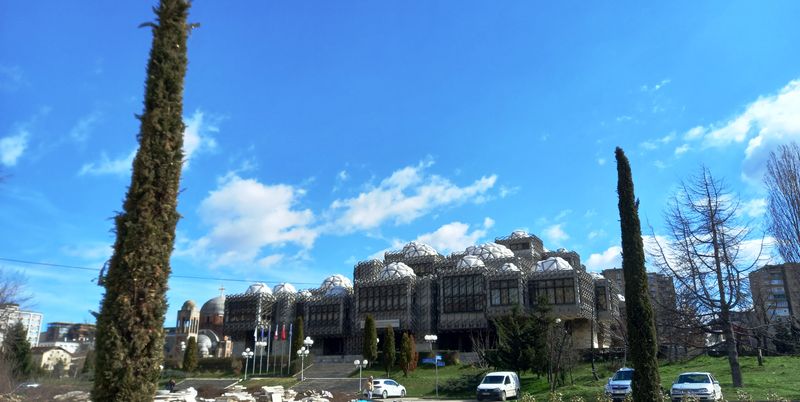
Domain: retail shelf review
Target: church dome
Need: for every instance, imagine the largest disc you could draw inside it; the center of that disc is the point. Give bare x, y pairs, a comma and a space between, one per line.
470, 261
336, 280
189, 305
509, 267
418, 249
490, 251
259, 287
215, 306
284, 288
396, 270
553, 264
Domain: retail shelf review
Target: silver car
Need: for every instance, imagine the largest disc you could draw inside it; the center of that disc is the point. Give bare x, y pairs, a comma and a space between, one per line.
699, 385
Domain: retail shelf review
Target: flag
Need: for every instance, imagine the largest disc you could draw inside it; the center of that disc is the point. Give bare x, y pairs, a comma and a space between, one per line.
262, 333
276, 332
283, 332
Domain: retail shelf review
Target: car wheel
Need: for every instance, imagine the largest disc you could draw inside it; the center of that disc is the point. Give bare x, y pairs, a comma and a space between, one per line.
516, 395
385, 394
503, 396
403, 393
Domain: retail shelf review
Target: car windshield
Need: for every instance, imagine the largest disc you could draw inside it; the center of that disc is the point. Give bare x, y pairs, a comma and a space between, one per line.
693, 379
623, 375
493, 379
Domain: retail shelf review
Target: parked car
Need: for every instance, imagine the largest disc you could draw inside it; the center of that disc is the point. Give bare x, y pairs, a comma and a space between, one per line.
384, 388
700, 385
619, 386
498, 385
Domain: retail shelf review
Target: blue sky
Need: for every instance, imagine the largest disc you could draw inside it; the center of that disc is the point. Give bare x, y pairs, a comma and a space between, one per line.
323, 133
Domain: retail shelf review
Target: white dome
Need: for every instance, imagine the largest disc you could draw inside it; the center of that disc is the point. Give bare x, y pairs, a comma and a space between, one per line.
470, 261
284, 288
595, 275
396, 270
258, 288
509, 267
336, 291
305, 293
336, 280
490, 251
519, 234
553, 264
418, 249
203, 343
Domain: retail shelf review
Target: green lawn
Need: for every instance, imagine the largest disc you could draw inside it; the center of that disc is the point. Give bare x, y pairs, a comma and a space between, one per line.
779, 375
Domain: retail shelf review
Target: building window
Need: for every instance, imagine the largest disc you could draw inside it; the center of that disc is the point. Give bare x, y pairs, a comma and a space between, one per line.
462, 294
382, 298
327, 314
557, 291
504, 293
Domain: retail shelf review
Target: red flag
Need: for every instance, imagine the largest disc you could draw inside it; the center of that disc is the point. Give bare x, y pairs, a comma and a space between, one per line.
283, 332
276, 332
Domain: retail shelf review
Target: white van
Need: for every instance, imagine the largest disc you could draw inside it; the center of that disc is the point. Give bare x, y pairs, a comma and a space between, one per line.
499, 385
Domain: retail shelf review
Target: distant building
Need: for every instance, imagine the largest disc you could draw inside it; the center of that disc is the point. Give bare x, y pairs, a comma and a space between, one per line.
69, 332
10, 314
776, 292
49, 357
204, 325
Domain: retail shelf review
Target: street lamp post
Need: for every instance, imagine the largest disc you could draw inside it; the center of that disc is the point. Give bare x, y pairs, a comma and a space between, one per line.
247, 354
261, 344
303, 352
360, 364
431, 339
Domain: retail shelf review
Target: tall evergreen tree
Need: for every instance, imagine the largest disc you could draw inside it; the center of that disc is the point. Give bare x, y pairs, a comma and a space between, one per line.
370, 350
88, 363
646, 382
514, 342
17, 351
389, 353
130, 334
190, 356
406, 351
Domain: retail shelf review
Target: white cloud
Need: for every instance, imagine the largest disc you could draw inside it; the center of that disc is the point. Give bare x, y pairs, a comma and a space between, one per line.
660, 164
196, 136
555, 234
118, 166
610, 258
755, 207
562, 214
764, 124
654, 144
342, 175
682, 149
507, 191
406, 195
455, 236
601, 161
83, 128
270, 260
12, 147
247, 216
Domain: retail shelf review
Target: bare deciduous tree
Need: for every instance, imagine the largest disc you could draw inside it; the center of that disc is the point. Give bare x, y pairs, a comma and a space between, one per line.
703, 253
783, 187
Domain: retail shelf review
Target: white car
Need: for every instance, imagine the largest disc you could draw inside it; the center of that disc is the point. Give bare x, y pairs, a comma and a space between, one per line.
384, 388
699, 385
619, 386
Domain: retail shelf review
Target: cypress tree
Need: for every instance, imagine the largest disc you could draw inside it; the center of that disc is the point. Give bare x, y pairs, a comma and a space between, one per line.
406, 350
646, 382
190, 356
17, 351
130, 327
389, 352
88, 363
370, 350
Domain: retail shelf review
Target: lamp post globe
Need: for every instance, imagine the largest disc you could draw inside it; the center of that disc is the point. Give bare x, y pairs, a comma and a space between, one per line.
360, 364
246, 355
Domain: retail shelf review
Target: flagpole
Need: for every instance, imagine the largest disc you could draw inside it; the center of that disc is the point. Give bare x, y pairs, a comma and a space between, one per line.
261, 356
269, 343
289, 368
